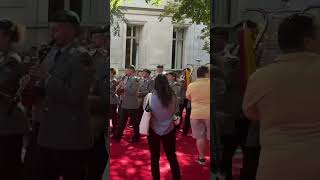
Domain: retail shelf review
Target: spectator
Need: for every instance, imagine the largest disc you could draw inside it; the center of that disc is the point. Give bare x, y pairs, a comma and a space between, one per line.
163, 107
13, 123
198, 93
283, 98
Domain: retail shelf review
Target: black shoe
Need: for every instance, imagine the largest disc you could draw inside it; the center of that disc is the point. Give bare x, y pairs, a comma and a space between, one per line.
202, 162
134, 140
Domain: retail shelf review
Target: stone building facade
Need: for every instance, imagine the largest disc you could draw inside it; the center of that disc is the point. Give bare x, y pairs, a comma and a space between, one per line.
146, 42
34, 15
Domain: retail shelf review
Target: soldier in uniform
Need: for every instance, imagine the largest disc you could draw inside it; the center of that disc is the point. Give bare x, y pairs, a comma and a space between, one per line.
114, 100
13, 122
99, 104
66, 75
172, 78
129, 105
159, 70
185, 103
174, 84
146, 85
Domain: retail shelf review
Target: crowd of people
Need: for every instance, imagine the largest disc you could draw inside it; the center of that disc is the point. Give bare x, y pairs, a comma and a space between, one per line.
169, 97
54, 103
274, 120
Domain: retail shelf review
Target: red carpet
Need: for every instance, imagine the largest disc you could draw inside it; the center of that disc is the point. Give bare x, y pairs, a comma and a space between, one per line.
132, 161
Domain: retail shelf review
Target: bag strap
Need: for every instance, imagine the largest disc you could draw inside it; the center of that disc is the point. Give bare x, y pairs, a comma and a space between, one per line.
148, 102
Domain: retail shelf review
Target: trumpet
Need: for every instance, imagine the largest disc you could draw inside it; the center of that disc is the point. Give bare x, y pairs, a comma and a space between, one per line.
120, 87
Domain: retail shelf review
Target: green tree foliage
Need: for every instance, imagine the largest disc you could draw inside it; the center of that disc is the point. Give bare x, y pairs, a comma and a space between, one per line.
194, 11
116, 16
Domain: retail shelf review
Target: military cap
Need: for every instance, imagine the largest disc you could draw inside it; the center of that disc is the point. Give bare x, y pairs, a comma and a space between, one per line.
105, 30
172, 74
147, 71
130, 67
65, 16
160, 66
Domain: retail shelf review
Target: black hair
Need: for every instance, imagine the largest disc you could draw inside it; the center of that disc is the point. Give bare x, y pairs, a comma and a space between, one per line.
10, 29
131, 67
202, 71
174, 75
163, 90
293, 29
147, 71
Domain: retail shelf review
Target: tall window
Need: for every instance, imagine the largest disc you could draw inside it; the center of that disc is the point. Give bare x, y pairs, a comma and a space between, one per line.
177, 48
56, 5
76, 6
132, 45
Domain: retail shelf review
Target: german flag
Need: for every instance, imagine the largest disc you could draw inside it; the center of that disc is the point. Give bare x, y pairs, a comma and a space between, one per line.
187, 78
247, 56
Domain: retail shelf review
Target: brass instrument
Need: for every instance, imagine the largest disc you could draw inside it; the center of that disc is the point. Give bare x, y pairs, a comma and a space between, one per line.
120, 87
27, 80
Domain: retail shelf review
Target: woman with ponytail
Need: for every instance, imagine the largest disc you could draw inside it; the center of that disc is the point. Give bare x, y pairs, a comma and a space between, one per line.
13, 123
163, 105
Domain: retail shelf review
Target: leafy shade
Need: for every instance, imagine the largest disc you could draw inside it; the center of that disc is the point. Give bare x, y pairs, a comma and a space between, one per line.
197, 11
116, 16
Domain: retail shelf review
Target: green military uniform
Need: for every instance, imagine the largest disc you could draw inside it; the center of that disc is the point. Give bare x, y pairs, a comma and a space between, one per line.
176, 88
145, 87
12, 125
99, 103
65, 135
67, 109
129, 107
11, 70
100, 57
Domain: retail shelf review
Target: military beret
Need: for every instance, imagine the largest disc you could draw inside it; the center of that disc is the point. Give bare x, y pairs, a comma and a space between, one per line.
130, 67
101, 30
147, 71
65, 16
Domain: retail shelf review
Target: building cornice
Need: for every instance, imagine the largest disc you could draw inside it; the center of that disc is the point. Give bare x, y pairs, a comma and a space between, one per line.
150, 11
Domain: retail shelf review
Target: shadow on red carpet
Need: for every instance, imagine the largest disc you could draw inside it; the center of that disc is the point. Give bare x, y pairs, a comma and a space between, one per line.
132, 161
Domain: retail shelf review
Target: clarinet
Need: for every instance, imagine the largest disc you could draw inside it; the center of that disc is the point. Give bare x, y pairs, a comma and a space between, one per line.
17, 97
